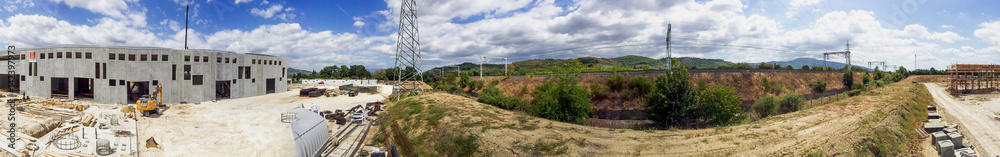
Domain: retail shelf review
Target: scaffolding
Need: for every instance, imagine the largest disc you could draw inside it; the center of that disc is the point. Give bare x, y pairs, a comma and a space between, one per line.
967, 78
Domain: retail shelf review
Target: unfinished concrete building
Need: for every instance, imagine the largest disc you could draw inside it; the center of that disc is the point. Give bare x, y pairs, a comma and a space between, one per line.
124, 74
967, 78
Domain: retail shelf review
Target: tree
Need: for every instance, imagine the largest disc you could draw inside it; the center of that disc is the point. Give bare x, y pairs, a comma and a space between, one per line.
563, 100
615, 81
672, 99
720, 104
848, 78
464, 81
805, 67
789, 67
878, 74
866, 78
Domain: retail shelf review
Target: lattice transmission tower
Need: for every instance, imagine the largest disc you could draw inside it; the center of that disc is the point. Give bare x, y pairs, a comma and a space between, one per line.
408, 51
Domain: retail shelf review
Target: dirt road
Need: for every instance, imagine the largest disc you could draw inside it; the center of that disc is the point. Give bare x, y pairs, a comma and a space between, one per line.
973, 118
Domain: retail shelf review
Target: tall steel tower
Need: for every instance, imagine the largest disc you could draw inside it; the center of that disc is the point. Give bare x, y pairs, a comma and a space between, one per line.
407, 51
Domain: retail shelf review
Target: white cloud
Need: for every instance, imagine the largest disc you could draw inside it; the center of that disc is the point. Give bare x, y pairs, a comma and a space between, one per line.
989, 32
274, 11
37, 31
242, 1
359, 24
919, 31
947, 26
795, 6
171, 24
14, 5
118, 9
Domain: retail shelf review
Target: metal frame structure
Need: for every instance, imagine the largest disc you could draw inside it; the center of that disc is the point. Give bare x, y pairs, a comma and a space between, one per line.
482, 60
407, 50
458, 68
876, 63
846, 53
974, 76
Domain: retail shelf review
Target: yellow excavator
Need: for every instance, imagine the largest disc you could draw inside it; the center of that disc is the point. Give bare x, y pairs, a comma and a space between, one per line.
150, 104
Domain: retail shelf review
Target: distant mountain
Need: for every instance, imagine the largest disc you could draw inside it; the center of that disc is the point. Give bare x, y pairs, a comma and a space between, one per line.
293, 71
798, 62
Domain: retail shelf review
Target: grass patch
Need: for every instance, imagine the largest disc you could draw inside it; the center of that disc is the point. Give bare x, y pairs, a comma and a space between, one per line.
545, 148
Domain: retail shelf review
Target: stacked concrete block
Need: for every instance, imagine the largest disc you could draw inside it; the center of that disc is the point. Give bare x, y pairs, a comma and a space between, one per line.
939, 136
956, 138
946, 148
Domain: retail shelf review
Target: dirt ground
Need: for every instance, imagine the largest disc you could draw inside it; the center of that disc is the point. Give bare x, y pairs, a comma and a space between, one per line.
834, 130
973, 114
236, 127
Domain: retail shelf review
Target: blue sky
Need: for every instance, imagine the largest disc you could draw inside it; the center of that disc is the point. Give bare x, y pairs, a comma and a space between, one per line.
312, 34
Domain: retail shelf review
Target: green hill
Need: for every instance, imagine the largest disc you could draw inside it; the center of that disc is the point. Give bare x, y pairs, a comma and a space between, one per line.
293, 71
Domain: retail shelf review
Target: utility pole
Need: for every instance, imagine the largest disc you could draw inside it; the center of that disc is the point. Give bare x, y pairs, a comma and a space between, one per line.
846, 53
669, 59
187, 9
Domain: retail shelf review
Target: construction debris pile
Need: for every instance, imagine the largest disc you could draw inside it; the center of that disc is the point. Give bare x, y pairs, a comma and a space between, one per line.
59, 128
945, 137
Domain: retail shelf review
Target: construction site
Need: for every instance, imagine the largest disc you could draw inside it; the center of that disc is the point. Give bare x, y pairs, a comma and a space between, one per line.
965, 117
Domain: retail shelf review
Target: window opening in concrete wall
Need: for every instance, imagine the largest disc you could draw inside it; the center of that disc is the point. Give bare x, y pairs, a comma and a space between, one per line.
248, 72
218, 59
112, 82
89, 55
97, 70
59, 54
69, 55
142, 57
187, 58
153, 57
41, 56
155, 82
79, 55
41, 78
234, 60
227, 60
187, 72
111, 56
31, 71
131, 57
269, 86
36, 67
204, 59
197, 80
239, 72
121, 82
23, 78
196, 59
121, 56
104, 67
165, 58
173, 72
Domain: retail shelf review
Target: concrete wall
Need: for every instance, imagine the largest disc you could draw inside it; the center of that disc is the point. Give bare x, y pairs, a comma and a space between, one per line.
132, 68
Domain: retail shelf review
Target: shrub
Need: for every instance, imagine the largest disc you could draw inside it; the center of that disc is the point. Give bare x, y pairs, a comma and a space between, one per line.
763, 65
858, 86
720, 104
524, 90
597, 91
563, 101
493, 96
789, 67
616, 81
765, 106
854, 92
494, 83
866, 78
791, 102
640, 85
805, 67
819, 86
464, 81
848, 78
479, 84
672, 99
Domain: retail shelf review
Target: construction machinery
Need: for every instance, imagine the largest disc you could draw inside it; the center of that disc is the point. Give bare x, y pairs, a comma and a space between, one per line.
352, 93
150, 104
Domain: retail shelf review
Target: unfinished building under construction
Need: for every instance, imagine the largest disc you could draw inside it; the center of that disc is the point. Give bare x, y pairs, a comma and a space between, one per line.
969, 78
124, 74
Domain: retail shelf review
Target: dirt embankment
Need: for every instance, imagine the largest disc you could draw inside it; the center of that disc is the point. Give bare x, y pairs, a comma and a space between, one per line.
749, 87
880, 122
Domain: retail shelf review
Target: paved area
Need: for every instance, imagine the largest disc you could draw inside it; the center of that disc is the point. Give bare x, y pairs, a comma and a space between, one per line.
972, 116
